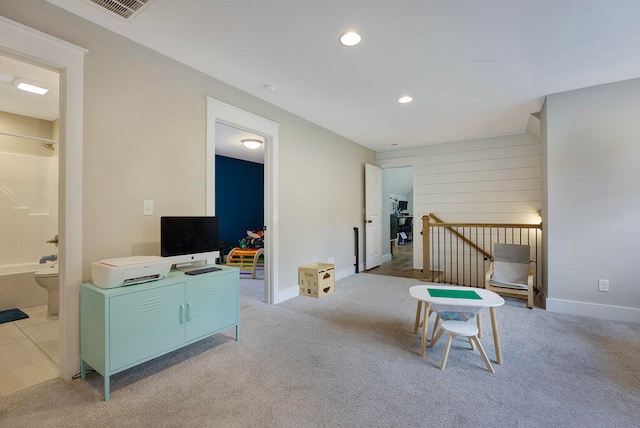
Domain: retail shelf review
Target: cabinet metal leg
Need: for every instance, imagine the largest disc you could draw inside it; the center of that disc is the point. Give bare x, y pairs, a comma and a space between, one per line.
106, 388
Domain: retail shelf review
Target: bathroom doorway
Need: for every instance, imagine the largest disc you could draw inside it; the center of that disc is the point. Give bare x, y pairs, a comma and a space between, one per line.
29, 217
40, 49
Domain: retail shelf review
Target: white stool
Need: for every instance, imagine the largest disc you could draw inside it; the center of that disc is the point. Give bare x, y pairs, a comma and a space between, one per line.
460, 328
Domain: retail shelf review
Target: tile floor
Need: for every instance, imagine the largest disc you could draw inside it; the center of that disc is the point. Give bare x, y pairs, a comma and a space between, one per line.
28, 350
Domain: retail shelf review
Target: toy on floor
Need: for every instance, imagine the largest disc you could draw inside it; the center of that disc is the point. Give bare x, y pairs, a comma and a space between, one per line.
252, 240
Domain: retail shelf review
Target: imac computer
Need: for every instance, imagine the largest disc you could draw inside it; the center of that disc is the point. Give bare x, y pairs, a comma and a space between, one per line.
189, 241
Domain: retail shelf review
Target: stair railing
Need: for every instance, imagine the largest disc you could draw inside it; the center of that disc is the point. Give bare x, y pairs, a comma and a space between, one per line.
459, 253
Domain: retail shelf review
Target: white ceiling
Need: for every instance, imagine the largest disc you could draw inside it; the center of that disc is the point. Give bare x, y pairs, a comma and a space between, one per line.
398, 181
475, 68
16, 101
229, 144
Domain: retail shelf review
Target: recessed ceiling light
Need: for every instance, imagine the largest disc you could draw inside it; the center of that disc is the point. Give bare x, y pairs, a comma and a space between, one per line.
350, 39
251, 144
405, 99
20, 83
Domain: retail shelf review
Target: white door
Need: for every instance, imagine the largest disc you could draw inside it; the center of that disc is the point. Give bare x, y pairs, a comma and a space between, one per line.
373, 214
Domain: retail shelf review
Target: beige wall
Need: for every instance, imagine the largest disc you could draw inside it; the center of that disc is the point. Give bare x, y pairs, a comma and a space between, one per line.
493, 180
144, 138
592, 160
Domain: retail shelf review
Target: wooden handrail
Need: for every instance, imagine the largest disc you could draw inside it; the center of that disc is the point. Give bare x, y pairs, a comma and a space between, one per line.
488, 225
469, 272
441, 223
450, 227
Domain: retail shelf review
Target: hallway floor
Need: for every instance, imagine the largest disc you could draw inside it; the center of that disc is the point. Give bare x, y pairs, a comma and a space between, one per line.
400, 265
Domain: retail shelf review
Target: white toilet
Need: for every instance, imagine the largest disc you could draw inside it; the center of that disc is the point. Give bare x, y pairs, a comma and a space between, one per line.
48, 279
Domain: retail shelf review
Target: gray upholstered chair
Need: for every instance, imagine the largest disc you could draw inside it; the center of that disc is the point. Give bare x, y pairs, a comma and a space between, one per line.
511, 272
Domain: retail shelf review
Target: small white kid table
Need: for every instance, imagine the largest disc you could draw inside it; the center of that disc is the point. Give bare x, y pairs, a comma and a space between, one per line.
455, 296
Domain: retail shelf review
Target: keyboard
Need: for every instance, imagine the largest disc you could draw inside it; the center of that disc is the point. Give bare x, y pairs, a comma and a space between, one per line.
202, 270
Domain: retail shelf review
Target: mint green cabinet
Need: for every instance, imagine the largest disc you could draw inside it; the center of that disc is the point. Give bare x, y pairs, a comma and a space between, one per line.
211, 305
155, 313
125, 326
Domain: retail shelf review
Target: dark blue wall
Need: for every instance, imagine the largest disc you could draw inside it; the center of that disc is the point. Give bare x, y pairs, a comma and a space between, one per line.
239, 198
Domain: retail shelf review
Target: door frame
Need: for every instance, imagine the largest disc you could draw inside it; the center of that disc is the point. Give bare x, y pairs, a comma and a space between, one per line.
219, 112
29, 45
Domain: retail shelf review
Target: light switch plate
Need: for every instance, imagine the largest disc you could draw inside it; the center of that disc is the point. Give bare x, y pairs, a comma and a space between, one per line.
147, 207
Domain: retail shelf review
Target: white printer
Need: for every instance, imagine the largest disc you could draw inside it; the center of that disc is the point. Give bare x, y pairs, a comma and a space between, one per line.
111, 273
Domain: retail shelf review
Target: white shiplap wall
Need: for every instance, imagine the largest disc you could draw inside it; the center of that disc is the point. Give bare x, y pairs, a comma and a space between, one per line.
493, 180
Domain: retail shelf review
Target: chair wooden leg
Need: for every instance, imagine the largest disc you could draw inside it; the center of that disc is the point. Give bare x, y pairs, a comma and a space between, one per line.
472, 343
479, 320
484, 354
436, 338
446, 352
435, 327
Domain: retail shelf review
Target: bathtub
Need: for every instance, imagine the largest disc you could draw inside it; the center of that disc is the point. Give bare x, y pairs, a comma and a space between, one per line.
18, 288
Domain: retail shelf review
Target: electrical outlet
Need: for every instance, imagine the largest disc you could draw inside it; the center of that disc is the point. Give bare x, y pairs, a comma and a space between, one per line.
603, 285
332, 260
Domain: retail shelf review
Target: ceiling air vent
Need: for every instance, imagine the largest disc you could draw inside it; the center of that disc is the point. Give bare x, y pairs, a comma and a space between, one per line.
126, 9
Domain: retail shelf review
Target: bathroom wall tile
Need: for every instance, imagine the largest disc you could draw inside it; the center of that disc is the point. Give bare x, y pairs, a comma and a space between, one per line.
17, 354
10, 333
23, 377
42, 332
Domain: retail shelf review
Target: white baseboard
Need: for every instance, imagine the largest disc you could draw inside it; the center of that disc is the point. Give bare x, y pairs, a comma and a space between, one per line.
608, 312
385, 258
290, 293
287, 294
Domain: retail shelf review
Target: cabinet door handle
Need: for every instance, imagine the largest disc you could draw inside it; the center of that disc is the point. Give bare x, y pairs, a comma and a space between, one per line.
181, 314
188, 311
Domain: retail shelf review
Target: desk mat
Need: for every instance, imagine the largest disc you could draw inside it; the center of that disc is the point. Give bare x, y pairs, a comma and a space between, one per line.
454, 294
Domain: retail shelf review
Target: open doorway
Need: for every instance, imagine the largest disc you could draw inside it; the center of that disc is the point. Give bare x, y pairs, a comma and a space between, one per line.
239, 201
29, 162
220, 115
398, 225
31, 46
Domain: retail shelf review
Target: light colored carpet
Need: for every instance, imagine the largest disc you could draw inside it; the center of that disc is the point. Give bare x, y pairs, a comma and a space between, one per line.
350, 359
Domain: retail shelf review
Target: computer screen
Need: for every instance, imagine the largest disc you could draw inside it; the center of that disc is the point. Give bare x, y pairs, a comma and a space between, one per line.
188, 235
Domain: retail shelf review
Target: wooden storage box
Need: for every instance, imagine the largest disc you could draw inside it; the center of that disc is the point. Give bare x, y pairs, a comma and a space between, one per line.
317, 280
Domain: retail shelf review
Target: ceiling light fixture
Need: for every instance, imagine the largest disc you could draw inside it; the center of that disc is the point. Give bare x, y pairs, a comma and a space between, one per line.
350, 39
20, 83
251, 143
405, 99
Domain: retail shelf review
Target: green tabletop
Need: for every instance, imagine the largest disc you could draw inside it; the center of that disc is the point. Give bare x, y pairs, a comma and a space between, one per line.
454, 294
